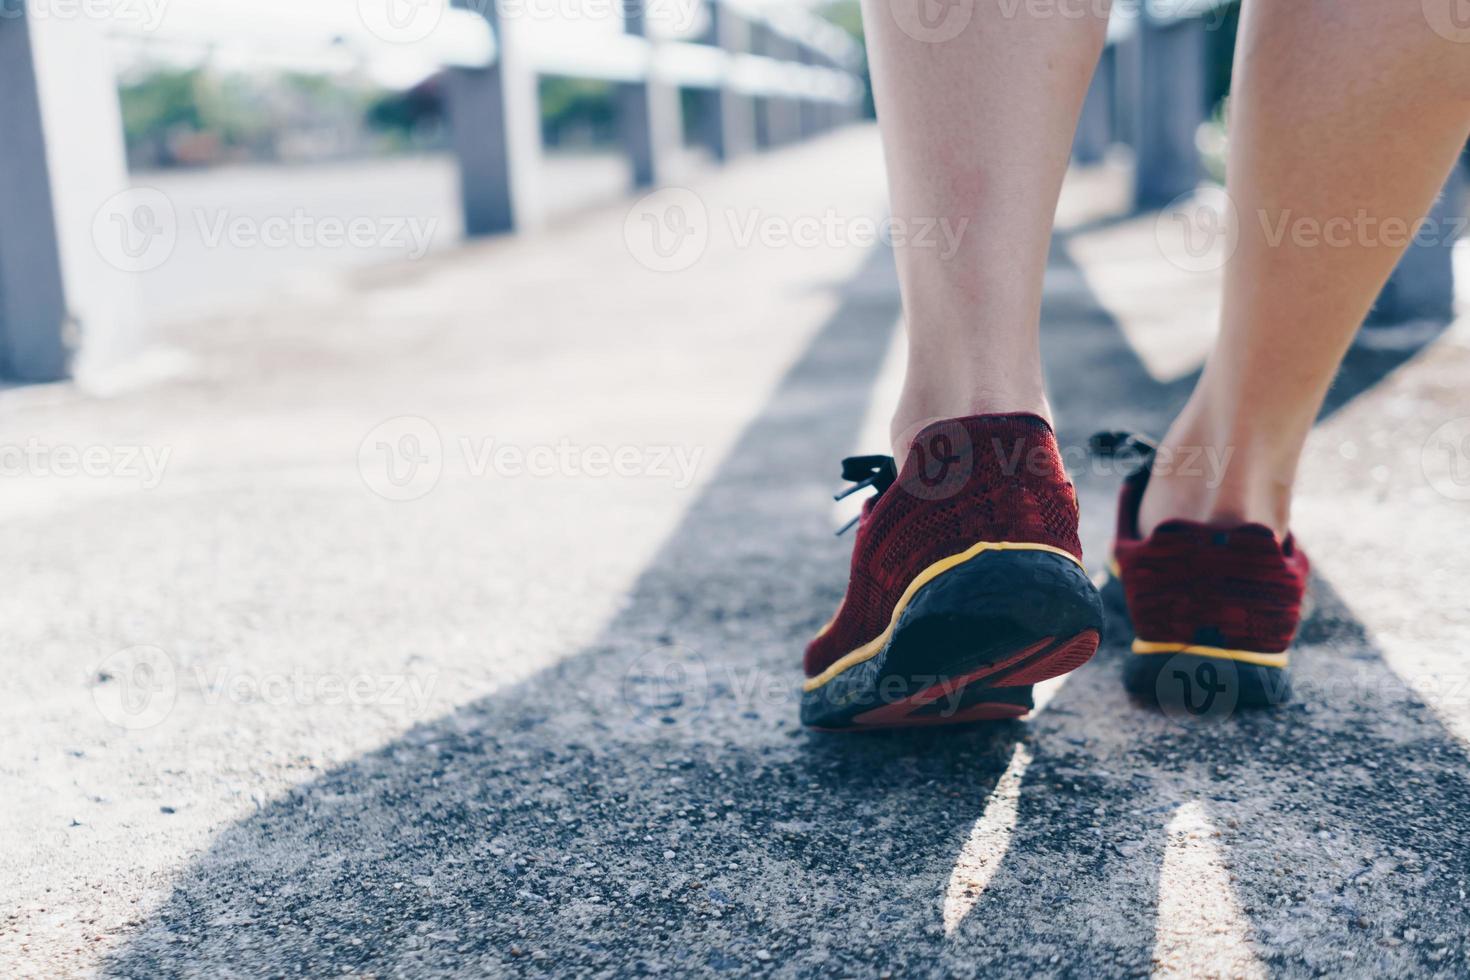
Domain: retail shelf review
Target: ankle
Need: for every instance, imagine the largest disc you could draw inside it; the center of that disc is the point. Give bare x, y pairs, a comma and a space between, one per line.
1218, 478
917, 409
1170, 496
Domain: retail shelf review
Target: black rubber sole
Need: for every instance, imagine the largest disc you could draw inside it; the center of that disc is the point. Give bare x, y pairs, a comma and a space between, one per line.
969, 645
1191, 685
1187, 684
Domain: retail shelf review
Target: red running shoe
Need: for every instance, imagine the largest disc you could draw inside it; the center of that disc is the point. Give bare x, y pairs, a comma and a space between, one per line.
1214, 609
967, 584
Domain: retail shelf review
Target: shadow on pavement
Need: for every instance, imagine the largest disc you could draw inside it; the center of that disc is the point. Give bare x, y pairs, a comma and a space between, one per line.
649, 805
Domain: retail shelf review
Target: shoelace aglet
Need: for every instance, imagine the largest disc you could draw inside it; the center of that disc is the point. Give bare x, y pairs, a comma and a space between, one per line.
855, 488
848, 526
1114, 444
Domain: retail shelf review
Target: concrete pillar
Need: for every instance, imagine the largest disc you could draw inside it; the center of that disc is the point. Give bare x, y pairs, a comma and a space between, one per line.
1172, 88
72, 235
729, 117
762, 122
1127, 84
762, 43
785, 111
650, 117
777, 118
1095, 127
1422, 287
495, 127
809, 118
826, 116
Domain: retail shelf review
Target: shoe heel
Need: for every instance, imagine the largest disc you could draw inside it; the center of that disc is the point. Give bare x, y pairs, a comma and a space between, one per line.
1019, 616
1204, 688
969, 644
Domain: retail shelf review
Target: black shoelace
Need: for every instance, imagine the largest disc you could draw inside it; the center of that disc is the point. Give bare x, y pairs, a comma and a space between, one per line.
1122, 445
878, 472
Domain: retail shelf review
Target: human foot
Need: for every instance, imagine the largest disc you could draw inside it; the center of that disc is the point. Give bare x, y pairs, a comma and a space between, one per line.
966, 583
1214, 608
1219, 475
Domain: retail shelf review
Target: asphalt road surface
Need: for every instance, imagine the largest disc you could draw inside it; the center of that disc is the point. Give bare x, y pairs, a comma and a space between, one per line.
391, 672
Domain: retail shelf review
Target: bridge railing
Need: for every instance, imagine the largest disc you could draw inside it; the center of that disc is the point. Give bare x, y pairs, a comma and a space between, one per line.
1150, 94
763, 76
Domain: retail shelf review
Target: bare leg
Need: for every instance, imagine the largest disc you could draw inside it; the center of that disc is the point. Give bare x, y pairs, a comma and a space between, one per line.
1346, 118
977, 131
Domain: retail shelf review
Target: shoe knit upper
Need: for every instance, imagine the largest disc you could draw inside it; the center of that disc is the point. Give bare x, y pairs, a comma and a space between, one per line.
1237, 588
984, 478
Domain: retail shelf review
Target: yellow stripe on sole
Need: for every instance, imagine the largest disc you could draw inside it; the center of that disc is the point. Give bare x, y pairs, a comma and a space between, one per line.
874, 646
1149, 648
